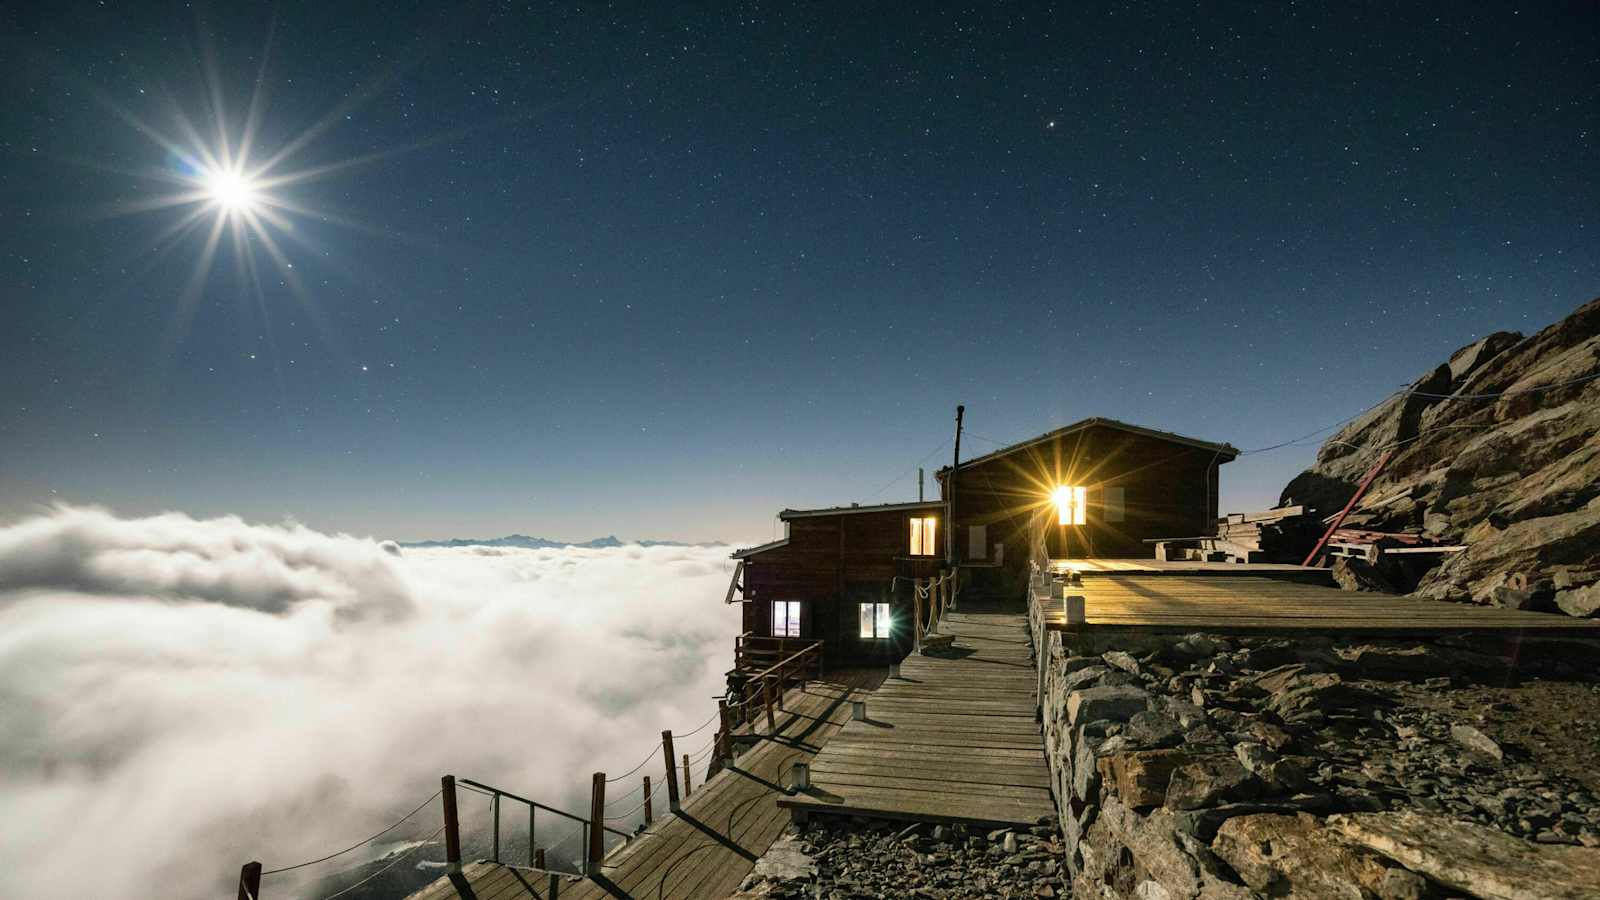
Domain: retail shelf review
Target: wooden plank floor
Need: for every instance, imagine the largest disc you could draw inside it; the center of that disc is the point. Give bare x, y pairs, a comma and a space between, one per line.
1243, 603
953, 739
724, 826
1310, 574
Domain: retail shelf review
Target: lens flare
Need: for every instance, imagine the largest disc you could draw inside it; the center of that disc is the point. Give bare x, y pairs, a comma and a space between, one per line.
231, 191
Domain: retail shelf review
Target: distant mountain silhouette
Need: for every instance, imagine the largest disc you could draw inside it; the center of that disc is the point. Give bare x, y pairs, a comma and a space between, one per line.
526, 542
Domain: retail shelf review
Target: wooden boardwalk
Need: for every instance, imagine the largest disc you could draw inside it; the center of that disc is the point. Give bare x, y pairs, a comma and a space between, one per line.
1285, 571
724, 826
1227, 601
953, 739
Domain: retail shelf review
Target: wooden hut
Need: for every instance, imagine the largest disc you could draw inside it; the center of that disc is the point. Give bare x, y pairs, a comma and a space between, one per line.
1096, 488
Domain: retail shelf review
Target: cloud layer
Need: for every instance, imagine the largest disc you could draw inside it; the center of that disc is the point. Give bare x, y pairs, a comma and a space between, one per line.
179, 696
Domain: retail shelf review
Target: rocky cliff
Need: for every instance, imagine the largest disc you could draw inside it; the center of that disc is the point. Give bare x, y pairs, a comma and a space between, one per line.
1497, 449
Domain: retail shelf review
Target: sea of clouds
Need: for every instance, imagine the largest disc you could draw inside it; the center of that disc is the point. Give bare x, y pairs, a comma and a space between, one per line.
180, 696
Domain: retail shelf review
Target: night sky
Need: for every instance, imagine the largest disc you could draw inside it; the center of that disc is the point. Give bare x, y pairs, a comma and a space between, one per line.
661, 272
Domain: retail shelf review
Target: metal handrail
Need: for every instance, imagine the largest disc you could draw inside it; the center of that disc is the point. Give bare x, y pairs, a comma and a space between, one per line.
535, 804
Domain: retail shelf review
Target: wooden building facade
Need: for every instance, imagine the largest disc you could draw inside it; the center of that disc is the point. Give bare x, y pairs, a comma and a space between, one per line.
842, 575
1096, 488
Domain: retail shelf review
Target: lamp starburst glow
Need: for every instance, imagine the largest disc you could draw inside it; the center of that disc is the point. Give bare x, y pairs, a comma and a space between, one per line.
232, 191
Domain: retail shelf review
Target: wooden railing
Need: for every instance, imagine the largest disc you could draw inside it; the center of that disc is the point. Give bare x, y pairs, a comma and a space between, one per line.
594, 830
753, 652
763, 689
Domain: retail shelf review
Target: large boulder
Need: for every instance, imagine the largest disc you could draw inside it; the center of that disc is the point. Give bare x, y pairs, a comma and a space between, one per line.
1298, 856
1499, 450
1476, 859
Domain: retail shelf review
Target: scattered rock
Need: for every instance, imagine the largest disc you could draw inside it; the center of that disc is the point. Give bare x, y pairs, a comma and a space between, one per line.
1140, 778
1360, 575
1209, 781
1152, 729
1476, 741
1122, 660
1117, 703
1582, 602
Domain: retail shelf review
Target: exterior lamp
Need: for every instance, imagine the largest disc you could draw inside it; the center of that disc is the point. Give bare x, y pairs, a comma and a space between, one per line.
1069, 502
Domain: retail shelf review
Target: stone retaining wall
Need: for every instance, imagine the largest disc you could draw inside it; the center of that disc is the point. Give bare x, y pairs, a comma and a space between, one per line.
1209, 766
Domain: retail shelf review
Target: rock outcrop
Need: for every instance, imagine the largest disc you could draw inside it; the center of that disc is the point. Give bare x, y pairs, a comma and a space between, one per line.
1497, 449
1198, 766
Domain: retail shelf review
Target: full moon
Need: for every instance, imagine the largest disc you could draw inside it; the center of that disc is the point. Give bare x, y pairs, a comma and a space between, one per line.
231, 191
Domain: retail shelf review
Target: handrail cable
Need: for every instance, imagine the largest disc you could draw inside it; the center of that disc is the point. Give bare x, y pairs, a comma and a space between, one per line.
355, 846
391, 865
621, 797
697, 730
649, 756
1427, 394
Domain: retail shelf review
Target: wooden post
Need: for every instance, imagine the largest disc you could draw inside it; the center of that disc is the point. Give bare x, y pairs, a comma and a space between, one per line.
672, 771
647, 811
494, 808
597, 822
783, 668
538, 858
555, 886
916, 614
533, 847
950, 493
688, 788
452, 824
766, 695
725, 736
250, 881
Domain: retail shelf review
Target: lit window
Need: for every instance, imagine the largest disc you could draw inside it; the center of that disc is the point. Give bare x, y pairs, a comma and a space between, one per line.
874, 620
786, 618
922, 535
1069, 503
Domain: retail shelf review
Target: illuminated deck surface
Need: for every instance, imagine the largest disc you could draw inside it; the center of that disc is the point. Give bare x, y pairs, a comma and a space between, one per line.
953, 739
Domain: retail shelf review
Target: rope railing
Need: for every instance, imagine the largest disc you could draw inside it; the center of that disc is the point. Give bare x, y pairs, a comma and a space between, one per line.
359, 844
397, 860
595, 826
642, 763
932, 598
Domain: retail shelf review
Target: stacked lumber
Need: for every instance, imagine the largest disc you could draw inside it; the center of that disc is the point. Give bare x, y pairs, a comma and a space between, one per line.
1282, 534
1368, 545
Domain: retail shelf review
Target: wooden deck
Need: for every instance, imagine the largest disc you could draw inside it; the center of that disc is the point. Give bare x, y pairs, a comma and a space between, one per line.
724, 826
1231, 602
1281, 571
953, 739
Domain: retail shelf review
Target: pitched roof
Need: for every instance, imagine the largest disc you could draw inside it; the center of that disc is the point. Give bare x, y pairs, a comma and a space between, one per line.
761, 548
858, 508
1225, 452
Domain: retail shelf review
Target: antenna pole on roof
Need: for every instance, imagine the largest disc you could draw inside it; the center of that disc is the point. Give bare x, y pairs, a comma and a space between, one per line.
950, 509
919, 484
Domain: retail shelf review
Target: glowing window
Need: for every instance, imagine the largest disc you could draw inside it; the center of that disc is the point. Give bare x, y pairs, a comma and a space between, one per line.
786, 618
1069, 501
875, 620
922, 535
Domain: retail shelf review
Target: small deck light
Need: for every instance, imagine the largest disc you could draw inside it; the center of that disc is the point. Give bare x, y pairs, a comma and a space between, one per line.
801, 776
858, 710
1074, 606
894, 670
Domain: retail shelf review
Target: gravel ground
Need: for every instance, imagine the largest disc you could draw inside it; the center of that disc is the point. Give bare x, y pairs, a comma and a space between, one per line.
856, 858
